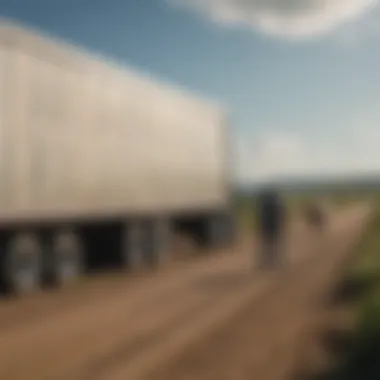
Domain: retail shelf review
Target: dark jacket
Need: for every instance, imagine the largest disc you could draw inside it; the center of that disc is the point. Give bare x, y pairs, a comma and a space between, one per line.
271, 213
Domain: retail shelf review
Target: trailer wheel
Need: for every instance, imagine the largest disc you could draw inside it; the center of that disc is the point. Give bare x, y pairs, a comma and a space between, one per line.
22, 265
65, 258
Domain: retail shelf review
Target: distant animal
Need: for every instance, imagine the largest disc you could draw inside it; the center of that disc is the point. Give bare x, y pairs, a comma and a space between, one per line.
314, 215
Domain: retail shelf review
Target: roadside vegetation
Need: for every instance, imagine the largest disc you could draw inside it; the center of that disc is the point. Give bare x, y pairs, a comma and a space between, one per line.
359, 357
363, 357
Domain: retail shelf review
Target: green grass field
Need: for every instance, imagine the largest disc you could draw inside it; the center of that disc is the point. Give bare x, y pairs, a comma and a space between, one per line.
362, 359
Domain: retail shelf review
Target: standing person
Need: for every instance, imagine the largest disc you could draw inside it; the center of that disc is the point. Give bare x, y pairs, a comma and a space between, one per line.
271, 220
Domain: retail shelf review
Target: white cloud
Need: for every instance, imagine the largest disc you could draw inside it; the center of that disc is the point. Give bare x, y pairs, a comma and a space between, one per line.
295, 19
365, 30
276, 156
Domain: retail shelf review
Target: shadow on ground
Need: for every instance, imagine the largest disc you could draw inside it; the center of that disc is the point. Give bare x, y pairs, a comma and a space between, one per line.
353, 355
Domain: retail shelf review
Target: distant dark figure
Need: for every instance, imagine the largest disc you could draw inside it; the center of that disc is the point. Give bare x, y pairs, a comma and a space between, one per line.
271, 222
314, 215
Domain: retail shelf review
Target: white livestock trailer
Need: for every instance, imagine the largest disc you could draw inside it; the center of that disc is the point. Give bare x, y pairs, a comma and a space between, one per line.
97, 160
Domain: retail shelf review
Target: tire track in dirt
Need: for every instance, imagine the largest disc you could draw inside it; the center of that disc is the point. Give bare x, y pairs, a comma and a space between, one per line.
70, 329
94, 326
179, 338
131, 349
107, 345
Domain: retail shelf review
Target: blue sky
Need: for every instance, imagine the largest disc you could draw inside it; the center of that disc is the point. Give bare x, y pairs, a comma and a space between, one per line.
301, 79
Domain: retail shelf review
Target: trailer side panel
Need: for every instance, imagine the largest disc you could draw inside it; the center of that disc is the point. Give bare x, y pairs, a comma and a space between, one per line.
103, 139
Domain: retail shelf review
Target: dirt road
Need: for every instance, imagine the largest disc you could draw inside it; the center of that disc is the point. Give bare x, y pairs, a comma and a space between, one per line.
127, 328
267, 339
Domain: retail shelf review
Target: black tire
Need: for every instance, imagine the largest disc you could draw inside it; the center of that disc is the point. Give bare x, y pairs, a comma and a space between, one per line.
65, 259
22, 264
